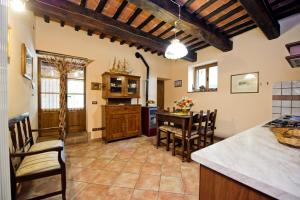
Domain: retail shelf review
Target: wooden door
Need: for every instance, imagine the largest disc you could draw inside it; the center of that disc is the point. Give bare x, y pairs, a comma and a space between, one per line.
117, 124
76, 115
133, 124
48, 98
160, 94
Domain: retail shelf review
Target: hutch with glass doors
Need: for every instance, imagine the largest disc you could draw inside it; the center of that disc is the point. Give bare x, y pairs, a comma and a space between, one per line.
120, 118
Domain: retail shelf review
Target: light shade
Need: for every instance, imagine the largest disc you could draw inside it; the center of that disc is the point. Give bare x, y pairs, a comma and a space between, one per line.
176, 50
17, 5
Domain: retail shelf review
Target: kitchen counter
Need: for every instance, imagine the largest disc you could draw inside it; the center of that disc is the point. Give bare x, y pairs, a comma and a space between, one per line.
255, 158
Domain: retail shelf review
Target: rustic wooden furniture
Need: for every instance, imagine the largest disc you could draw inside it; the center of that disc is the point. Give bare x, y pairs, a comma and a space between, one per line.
225, 188
30, 160
208, 128
194, 131
117, 85
121, 121
181, 120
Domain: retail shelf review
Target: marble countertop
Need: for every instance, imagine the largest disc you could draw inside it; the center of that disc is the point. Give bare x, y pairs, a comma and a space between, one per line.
255, 158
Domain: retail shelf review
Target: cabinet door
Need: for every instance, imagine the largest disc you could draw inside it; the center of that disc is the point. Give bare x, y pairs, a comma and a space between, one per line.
117, 126
133, 124
116, 86
133, 87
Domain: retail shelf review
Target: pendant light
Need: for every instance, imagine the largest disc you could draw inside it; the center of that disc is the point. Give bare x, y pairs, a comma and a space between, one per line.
18, 5
176, 49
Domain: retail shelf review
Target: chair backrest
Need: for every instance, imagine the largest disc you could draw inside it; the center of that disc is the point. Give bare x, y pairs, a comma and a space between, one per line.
212, 120
203, 122
20, 136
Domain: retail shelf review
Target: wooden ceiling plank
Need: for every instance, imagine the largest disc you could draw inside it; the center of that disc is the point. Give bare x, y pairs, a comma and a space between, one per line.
186, 37
288, 12
204, 6
83, 3
234, 21
158, 26
134, 15
90, 32
263, 17
191, 41
102, 36
229, 14
220, 9
120, 9
101, 6
77, 28
166, 31
62, 23
144, 23
122, 42
175, 35
74, 14
189, 23
243, 30
46, 19
188, 3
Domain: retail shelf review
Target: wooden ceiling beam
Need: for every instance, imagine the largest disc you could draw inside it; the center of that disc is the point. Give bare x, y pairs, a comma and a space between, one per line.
62, 23
263, 17
196, 45
168, 11
227, 15
102, 36
144, 23
134, 15
90, 32
46, 19
74, 14
186, 37
234, 22
166, 31
158, 26
175, 35
201, 47
243, 30
101, 6
191, 41
120, 9
235, 28
220, 9
204, 6
77, 28
122, 42
83, 3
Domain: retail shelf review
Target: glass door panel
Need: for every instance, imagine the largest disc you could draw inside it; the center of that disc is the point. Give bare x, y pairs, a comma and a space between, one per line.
132, 87
116, 85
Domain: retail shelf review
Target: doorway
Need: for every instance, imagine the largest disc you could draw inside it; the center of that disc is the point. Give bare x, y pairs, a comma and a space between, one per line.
49, 101
160, 94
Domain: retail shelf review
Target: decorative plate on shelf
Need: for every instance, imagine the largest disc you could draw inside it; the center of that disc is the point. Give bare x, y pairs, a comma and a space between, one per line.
288, 136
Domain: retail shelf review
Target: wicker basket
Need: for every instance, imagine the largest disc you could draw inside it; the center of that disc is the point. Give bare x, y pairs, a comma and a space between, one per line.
288, 136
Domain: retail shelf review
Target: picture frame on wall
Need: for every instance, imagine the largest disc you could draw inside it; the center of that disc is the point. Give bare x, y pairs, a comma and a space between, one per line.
245, 83
178, 83
95, 86
26, 62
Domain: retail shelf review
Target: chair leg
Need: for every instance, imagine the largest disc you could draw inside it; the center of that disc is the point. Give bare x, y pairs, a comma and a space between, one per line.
188, 150
158, 139
13, 190
168, 141
183, 148
63, 183
212, 139
173, 149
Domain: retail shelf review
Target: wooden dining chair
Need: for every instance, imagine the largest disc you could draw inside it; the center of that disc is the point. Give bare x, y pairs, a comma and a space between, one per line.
208, 128
164, 132
192, 134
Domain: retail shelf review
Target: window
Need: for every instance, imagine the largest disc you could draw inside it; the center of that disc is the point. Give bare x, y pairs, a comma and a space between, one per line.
49, 87
76, 89
205, 78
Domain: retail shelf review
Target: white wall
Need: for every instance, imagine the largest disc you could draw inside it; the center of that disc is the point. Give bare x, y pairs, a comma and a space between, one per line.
21, 96
252, 52
51, 37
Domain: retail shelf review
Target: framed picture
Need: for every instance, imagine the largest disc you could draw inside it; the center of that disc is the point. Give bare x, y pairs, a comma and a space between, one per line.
245, 83
26, 63
178, 83
95, 86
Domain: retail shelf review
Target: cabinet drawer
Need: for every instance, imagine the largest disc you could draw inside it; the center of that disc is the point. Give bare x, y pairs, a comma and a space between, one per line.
123, 109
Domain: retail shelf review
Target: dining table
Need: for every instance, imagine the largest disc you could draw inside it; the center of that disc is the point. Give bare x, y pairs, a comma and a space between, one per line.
179, 119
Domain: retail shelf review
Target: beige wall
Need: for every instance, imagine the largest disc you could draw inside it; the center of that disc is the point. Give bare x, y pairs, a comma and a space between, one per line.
52, 37
21, 96
252, 52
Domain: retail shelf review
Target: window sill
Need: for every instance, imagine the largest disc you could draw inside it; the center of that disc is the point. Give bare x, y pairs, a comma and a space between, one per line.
198, 91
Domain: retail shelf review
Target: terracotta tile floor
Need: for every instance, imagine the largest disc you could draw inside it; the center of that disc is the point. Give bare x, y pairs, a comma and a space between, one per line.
129, 169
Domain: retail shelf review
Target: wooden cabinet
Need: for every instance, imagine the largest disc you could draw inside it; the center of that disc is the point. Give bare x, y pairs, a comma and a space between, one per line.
120, 86
121, 121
